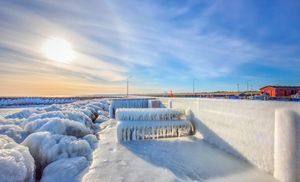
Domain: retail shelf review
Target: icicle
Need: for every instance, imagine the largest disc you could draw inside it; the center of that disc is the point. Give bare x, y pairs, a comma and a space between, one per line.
144, 130
157, 114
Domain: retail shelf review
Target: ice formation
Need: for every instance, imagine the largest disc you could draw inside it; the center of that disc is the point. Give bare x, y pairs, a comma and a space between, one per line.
58, 126
22, 114
148, 114
16, 163
101, 119
142, 130
92, 140
52, 133
35, 101
51, 136
141, 124
13, 131
126, 103
46, 148
64, 169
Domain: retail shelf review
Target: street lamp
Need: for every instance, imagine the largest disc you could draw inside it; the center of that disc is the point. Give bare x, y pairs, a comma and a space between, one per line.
127, 81
194, 86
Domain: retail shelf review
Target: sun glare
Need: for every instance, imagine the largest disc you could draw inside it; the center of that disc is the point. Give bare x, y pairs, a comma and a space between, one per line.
58, 49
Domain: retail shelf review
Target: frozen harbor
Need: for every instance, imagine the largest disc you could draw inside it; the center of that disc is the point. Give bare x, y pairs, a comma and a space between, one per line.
80, 139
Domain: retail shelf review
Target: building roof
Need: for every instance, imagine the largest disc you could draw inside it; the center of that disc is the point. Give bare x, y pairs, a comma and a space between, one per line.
282, 87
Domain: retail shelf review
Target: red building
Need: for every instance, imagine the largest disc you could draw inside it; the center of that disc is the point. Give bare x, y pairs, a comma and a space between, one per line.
280, 91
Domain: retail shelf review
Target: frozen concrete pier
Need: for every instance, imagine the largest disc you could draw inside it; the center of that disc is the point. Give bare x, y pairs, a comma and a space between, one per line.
177, 159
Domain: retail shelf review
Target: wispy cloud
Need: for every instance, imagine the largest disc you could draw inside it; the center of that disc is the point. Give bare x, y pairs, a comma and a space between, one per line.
160, 43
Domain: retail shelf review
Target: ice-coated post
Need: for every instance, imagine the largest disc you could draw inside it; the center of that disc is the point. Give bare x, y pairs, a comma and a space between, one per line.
111, 114
170, 104
285, 146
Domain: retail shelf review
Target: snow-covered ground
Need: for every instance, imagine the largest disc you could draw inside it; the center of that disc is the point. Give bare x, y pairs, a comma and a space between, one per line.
77, 142
177, 159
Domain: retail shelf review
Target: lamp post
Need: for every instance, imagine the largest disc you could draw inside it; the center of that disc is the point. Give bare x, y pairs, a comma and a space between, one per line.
194, 86
127, 84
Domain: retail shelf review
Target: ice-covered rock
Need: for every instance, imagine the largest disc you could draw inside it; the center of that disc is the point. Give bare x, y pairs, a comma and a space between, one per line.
64, 170
22, 114
55, 132
34, 101
103, 113
13, 131
58, 126
46, 148
101, 119
71, 115
16, 163
92, 140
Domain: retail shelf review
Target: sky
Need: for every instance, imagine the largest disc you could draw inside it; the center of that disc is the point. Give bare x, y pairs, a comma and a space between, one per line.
158, 45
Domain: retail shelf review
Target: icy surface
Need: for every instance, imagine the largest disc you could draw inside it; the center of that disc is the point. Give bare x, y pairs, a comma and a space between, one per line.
64, 170
175, 159
16, 163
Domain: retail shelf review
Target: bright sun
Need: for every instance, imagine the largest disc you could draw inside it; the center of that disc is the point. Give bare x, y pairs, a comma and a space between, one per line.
58, 49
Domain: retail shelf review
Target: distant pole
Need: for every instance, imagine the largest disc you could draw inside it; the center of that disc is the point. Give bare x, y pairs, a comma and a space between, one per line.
127, 81
238, 87
127, 87
194, 86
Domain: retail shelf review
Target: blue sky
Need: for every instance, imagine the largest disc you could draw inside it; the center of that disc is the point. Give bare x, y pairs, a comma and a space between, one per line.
161, 44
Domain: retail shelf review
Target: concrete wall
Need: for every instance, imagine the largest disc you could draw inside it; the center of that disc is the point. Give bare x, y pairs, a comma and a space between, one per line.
246, 129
